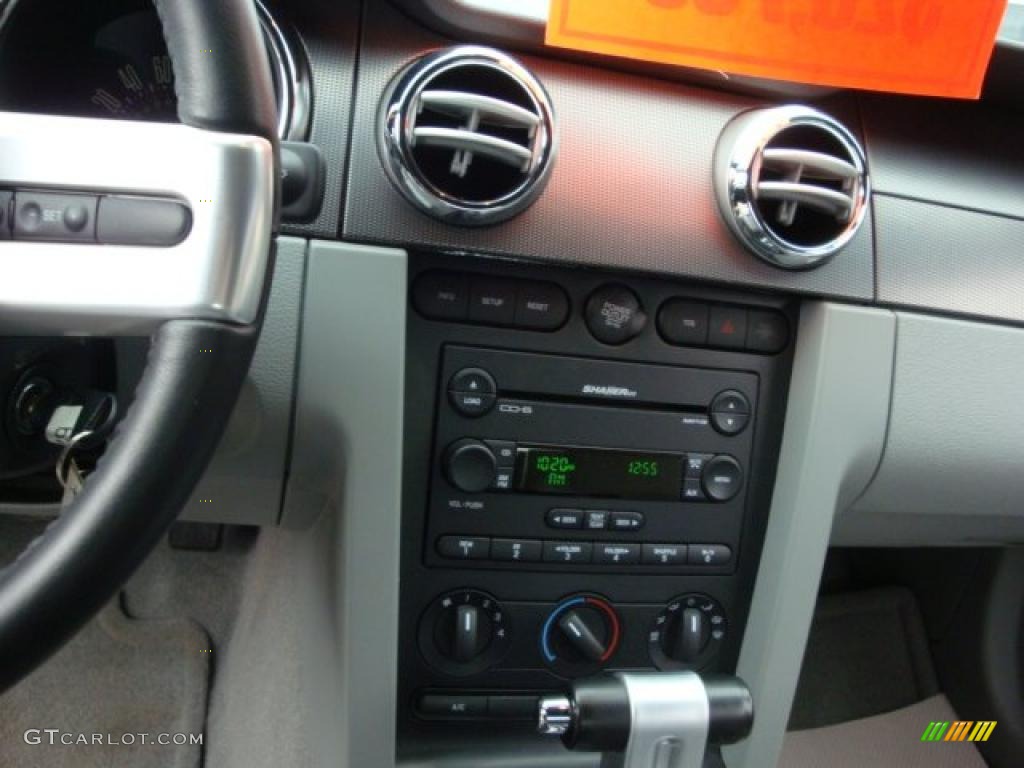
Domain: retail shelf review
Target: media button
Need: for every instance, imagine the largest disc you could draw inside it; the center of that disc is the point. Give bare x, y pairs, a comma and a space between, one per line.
695, 463
516, 550
504, 452
565, 518
617, 554
692, 490
568, 551
709, 554
627, 521
664, 554
464, 547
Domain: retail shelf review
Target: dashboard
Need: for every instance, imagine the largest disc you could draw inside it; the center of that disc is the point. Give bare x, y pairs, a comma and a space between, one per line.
564, 389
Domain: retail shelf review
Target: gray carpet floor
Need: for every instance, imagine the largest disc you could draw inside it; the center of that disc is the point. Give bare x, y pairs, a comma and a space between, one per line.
118, 678
892, 740
867, 654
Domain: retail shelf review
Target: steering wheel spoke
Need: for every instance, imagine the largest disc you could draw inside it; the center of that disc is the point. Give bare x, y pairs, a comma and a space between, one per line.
55, 278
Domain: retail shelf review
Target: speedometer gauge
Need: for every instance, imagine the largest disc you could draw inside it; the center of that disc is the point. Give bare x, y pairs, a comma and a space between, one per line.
132, 76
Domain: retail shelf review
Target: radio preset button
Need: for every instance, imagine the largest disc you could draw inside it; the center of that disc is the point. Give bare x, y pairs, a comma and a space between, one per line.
516, 550
597, 520
664, 554
722, 478
627, 521
464, 547
709, 554
568, 551
565, 518
617, 554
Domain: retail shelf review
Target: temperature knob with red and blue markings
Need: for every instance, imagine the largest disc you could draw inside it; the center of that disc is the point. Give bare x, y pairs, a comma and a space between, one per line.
580, 636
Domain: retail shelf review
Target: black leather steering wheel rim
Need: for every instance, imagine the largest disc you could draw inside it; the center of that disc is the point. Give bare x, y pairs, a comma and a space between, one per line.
183, 402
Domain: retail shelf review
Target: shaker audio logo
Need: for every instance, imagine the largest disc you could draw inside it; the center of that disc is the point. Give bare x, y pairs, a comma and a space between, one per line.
961, 730
607, 391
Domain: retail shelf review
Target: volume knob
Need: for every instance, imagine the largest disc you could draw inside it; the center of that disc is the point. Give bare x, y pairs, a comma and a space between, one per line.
470, 465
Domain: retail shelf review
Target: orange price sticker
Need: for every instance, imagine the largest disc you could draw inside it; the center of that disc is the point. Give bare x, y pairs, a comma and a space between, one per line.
927, 47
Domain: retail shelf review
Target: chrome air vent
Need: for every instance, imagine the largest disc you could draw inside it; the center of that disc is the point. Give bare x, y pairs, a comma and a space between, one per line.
792, 184
467, 135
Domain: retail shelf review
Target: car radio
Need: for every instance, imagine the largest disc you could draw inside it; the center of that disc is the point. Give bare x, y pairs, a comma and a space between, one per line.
553, 462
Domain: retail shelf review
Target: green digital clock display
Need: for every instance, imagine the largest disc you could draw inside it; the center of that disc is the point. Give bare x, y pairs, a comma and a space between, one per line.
599, 472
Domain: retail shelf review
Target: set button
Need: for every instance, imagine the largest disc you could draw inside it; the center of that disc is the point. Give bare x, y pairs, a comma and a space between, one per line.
526, 304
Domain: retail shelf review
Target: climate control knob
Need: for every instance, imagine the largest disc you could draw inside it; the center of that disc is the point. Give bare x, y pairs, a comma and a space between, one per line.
464, 632
687, 633
470, 465
580, 635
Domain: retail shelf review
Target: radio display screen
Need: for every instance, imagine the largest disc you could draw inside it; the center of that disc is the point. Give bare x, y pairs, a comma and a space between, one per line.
600, 472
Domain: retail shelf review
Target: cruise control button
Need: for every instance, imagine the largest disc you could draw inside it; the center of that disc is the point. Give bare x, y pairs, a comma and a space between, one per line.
541, 306
614, 314
565, 518
627, 521
767, 332
684, 323
464, 547
516, 550
441, 295
5, 219
492, 301
597, 520
729, 423
709, 554
54, 216
722, 478
452, 705
664, 554
616, 554
568, 551
728, 327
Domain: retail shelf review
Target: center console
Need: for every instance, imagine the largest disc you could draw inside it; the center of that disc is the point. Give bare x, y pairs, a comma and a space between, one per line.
587, 476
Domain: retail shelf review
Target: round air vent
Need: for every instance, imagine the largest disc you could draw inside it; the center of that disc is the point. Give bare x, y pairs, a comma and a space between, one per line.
792, 184
467, 135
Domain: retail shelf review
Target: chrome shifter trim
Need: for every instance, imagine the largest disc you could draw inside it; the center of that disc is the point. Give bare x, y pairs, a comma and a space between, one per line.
217, 272
670, 716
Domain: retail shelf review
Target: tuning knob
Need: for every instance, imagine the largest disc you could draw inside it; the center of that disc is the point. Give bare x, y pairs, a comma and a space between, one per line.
464, 632
687, 633
580, 635
470, 465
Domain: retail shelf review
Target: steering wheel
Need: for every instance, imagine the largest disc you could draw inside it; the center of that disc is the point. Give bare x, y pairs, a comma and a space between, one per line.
202, 301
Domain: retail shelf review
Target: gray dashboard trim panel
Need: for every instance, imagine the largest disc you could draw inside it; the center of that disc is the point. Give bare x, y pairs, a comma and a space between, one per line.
244, 481
631, 187
951, 473
347, 461
935, 257
832, 442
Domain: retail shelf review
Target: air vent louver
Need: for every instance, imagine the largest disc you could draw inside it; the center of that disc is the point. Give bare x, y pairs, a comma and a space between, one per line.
467, 135
792, 184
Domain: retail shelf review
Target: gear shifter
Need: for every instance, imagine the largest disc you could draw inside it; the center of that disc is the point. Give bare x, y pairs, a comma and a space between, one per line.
649, 720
